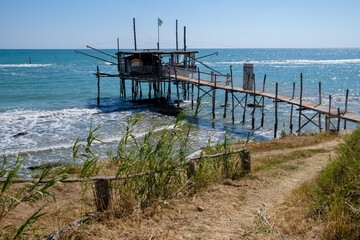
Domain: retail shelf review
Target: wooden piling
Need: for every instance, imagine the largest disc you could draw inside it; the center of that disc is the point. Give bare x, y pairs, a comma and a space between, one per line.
198, 86
192, 96
169, 92
225, 103
319, 104
177, 89
292, 109
177, 42
254, 109
140, 90
103, 194
346, 104
338, 122
134, 34
300, 107
124, 88
276, 108
184, 40
214, 94
329, 116
232, 95
98, 85
263, 104
244, 112
149, 90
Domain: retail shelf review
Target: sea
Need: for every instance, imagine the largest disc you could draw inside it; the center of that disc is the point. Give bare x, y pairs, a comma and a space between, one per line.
48, 104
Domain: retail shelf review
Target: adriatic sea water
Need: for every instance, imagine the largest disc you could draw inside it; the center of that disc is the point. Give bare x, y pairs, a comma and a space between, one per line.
45, 106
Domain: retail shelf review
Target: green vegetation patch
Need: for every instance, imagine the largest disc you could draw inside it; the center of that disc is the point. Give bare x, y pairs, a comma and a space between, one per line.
336, 192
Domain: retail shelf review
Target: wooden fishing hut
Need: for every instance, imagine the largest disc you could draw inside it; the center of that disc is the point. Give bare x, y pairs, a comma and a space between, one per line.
155, 68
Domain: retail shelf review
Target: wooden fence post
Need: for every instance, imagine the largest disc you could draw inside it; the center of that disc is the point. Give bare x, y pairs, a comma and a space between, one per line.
191, 169
102, 194
246, 161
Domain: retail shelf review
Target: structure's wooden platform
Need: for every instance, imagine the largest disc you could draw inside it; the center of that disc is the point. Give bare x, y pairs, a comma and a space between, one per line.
306, 105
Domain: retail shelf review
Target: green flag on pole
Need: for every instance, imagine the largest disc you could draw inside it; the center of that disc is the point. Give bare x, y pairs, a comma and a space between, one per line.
159, 22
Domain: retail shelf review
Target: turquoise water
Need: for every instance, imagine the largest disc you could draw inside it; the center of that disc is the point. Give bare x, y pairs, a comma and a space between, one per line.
52, 102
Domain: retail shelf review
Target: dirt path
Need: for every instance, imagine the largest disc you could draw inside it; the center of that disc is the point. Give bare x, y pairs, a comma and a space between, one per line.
227, 210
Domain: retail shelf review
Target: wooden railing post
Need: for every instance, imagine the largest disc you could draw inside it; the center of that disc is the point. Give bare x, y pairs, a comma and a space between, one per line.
102, 194
246, 161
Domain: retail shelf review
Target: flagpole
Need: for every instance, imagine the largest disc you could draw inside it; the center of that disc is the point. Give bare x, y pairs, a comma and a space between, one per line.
158, 43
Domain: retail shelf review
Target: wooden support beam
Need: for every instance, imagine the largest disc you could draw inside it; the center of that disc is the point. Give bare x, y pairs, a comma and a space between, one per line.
177, 89
244, 112
213, 95
301, 94
276, 108
263, 103
184, 41
338, 123
198, 87
319, 104
135, 47
98, 85
254, 109
346, 104
177, 42
232, 95
192, 96
225, 103
292, 109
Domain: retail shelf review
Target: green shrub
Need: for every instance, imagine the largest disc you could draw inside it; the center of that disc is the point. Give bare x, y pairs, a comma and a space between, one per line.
336, 191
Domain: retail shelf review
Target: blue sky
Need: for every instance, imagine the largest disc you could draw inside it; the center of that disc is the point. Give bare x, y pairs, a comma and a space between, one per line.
72, 24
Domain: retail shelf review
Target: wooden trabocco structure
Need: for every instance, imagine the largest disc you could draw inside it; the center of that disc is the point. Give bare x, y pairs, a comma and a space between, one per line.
161, 70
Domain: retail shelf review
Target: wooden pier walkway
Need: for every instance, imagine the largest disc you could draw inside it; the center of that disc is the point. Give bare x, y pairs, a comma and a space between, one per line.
305, 105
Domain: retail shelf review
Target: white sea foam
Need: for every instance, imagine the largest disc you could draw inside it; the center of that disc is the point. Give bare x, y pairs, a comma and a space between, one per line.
24, 65
295, 61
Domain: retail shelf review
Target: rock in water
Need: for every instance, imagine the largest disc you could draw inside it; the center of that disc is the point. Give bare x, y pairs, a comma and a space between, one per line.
20, 134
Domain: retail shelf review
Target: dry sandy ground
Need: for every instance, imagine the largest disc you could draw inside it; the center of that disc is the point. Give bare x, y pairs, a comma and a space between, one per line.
242, 209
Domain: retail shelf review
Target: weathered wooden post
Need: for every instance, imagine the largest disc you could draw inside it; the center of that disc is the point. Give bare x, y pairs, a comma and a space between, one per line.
319, 104
177, 89
300, 107
198, 87
246, 161
346, 103
263, 102
102, 194
184, 40
276, 115
226, 95
292, 109
338, 123
191, 169
245, 105
214, 94
254, 108
98, 85
134, 34
192, 96
232, 95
